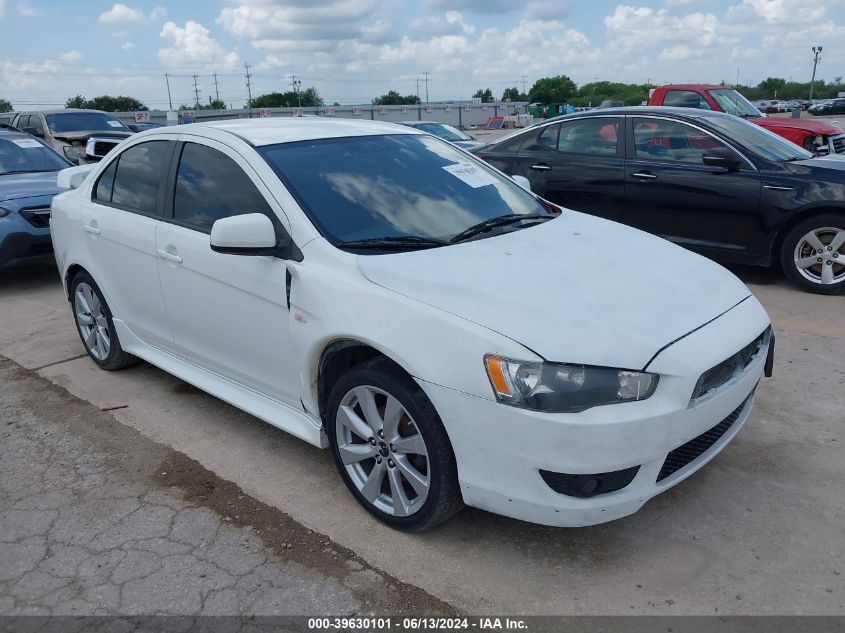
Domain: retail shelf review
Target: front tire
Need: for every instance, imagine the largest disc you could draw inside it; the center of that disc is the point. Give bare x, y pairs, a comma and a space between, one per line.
813, 254
390, 447
94, 323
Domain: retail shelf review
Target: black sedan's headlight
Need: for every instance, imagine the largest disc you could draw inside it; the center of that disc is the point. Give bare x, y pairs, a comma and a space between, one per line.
561, 388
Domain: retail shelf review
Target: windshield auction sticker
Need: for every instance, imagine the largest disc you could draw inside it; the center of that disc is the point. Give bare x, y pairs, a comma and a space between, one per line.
26, 142
470, 174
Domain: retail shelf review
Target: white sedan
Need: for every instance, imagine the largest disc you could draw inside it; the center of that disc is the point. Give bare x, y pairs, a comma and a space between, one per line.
452, 338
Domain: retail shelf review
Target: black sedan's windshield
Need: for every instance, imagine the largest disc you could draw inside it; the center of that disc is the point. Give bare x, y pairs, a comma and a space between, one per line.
441, 130
766, 144
20, 155
83, 122
404, 185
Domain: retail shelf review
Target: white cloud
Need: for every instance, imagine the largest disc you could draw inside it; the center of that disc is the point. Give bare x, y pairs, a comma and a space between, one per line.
193, 48
28, 74
2, 8
71, 56
121, 13
127, 46
26, 9
158, 13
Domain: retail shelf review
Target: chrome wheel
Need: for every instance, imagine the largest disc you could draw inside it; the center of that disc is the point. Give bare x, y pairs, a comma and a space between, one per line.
820, 256
382, 450
91, 321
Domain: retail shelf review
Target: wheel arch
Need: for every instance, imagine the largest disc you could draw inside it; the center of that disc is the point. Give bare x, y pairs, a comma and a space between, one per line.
338, 357
68, 276
797, 219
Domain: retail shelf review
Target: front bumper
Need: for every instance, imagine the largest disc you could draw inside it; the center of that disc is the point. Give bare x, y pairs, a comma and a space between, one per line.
25, 248
500, 450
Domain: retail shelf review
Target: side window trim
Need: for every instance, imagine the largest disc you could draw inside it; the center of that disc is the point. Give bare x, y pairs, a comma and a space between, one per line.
157, 215
632, 154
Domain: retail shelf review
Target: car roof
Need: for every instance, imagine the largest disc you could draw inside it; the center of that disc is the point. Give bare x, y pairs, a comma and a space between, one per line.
61, 111
271, 131
687, 113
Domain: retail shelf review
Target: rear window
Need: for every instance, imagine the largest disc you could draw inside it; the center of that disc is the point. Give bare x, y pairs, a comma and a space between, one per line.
394, 186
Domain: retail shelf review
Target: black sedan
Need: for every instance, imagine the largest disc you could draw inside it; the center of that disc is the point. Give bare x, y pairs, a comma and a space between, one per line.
708, 181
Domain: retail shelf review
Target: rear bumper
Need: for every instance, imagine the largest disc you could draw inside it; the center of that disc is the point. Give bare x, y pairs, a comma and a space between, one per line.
500, 450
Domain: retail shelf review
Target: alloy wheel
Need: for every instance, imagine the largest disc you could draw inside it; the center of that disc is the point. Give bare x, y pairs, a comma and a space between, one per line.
91, 321
383, 451
820, 255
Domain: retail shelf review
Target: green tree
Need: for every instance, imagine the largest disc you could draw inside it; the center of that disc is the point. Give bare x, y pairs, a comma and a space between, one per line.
308, 98
5, 106
557, 89
394, 98
75, 102
213, 104
773, 87
485, 94
514, 95
115, 104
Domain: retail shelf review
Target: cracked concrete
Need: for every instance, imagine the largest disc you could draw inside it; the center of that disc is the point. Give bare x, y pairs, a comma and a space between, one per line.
95, 519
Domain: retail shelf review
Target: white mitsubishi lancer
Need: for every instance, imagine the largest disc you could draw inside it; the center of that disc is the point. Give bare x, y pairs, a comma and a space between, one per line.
450, 337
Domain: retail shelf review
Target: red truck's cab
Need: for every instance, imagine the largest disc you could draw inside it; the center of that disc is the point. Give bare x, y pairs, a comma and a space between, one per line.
815, 136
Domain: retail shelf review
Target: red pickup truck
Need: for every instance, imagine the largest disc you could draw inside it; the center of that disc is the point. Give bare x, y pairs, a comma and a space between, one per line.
815, 136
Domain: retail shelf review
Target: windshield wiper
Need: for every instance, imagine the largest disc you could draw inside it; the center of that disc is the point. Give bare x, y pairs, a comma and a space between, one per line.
394, 242
494, 223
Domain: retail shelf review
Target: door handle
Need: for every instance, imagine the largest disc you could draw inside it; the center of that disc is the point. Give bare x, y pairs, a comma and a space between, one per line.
171, 257
541, 167
92, 228
644, 175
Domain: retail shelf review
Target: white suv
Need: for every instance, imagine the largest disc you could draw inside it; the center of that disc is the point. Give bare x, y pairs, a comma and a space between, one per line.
450, 336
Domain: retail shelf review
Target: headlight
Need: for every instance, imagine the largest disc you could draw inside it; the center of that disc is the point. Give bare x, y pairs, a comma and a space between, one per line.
74, 152
564, 388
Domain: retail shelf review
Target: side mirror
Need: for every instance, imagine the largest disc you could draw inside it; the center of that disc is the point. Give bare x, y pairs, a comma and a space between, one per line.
722, 157
33, 132
522, 181
249, 234
73, 177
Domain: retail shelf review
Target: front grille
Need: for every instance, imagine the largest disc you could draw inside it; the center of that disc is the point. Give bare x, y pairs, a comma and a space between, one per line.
39, 217
725, 371
697, 446
838, 144
101, 148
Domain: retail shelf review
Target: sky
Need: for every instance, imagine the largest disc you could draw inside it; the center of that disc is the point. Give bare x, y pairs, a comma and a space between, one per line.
354, 50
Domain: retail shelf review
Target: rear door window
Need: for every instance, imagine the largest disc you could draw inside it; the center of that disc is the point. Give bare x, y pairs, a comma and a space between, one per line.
138, 177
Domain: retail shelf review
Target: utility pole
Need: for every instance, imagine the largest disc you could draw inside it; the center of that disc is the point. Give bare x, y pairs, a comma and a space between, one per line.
426, 73
418, 89
216, 88
248, 86
523, 84
296, 84
196, 92
169, 100
817, 51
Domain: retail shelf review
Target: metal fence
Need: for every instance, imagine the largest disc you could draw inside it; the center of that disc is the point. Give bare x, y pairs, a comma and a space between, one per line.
462, 115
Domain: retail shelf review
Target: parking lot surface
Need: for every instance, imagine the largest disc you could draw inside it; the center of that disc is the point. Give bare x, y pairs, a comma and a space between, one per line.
760, 530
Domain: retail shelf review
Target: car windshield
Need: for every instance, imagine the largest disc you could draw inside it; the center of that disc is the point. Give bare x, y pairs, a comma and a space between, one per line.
734, 103
441, 130
394, 186
83, 122
20, 155
762, 142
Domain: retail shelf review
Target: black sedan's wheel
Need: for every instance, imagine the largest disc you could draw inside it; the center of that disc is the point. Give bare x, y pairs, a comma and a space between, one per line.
813, 254
390, 447
94, 324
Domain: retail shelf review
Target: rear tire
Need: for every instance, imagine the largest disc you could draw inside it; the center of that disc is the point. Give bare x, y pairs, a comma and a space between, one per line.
95, 326
813, 254
403, 472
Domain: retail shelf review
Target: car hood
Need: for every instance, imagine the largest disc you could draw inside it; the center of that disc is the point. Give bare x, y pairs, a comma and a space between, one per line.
84, 136
575, 289
15, 186
831, 161
816, 127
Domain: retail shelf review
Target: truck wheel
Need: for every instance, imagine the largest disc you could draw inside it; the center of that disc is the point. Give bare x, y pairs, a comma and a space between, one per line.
813, 254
